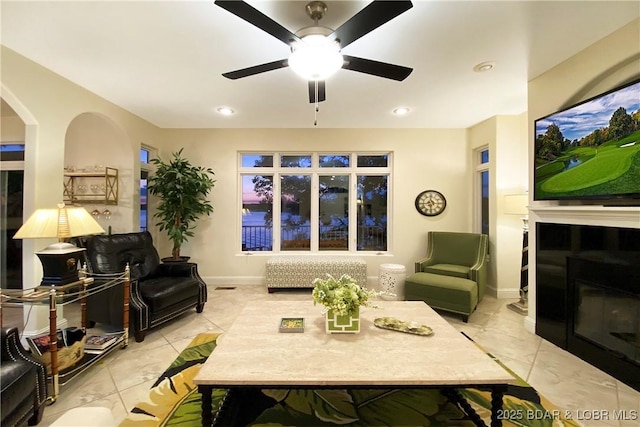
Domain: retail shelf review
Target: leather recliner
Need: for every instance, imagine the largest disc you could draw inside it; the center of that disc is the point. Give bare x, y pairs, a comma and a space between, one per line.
158, 292
24, 383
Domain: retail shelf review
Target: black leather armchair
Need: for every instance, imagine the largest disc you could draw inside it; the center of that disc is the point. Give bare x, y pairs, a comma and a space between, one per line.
159, 291
24, 383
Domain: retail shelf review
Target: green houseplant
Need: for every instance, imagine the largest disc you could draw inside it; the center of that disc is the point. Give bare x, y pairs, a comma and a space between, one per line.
182, 189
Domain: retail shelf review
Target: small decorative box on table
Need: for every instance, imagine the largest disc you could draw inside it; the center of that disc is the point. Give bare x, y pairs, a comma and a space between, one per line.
292, 324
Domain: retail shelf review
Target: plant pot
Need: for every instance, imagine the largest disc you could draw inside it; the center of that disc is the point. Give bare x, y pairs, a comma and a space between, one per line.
171, 259
342, 324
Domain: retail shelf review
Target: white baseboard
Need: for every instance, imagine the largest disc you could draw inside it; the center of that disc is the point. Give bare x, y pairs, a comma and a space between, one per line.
530, 324
509, 293
233, 280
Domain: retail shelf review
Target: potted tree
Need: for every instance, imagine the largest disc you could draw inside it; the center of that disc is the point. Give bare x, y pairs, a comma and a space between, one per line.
182, 189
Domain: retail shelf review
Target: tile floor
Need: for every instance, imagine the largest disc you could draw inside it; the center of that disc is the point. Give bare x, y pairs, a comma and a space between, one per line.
124, 377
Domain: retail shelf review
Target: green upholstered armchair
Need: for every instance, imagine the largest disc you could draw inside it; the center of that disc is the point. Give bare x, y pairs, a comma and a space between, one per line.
457, 255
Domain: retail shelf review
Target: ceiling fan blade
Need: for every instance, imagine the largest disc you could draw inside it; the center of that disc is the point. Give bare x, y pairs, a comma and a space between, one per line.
368, 19
257, 69
321, 91
255, 17
376, 68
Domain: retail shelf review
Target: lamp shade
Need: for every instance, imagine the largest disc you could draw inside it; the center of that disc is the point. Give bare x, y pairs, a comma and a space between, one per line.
62, 223
59, 260
516, 204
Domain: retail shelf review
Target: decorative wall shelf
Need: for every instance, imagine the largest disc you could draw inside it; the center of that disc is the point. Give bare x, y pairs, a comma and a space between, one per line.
96, 187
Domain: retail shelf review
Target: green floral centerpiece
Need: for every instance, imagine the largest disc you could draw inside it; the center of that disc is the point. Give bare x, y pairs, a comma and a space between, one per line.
342, 299
343, 295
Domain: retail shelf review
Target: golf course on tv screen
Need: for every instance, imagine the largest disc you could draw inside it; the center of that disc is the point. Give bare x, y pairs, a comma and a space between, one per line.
590, 150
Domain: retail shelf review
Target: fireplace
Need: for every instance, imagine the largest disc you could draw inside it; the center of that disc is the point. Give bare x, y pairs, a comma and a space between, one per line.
588, 294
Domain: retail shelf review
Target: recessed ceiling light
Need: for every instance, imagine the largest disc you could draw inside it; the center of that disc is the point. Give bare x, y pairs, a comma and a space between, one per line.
401, 111
225, 111
484, 66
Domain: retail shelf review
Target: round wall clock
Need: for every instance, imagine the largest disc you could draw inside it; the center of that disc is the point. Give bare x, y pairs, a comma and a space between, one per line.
430, 203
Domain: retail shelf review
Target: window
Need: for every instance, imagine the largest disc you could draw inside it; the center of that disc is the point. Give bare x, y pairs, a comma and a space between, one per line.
314, 201
11, 198
145, 154
12, 152
482, 172
372, 212
333, 224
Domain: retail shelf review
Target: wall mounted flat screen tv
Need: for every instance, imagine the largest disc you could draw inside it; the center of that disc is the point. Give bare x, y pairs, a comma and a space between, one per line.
590, 151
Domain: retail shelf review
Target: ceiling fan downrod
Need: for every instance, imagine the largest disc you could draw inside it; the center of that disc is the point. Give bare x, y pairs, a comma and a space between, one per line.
316, 10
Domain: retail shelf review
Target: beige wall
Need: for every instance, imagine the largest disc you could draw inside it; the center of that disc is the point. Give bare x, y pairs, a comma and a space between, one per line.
422, 159
604, 65
505, 137
94, 141
12, 129
48, 104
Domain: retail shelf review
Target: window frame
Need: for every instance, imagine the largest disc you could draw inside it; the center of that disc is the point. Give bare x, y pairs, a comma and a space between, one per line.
480, 168
315, 171
145, 168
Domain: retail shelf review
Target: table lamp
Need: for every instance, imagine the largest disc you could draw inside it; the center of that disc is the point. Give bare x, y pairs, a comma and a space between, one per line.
516, 204
59, 260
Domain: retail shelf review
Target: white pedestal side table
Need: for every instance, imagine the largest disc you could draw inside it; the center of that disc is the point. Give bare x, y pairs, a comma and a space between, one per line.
391, 279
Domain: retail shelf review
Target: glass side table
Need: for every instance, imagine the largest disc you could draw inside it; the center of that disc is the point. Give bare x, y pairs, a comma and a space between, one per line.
79, 291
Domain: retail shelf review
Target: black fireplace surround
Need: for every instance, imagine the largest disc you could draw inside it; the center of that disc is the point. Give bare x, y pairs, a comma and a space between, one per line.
588, 295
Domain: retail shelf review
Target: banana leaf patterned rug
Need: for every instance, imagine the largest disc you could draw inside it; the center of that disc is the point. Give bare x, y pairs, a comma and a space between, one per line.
174, 401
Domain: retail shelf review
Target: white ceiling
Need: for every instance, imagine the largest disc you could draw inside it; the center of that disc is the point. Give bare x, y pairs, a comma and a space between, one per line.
163, 60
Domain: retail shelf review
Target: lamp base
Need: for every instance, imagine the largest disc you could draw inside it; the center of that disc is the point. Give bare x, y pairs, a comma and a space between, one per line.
59, 264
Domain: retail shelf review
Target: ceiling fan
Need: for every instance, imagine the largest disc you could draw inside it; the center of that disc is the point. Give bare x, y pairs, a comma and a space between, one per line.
315, 50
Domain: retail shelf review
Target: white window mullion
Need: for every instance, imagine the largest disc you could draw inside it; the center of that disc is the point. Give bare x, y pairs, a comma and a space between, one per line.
353, 212
276, 214
314, 219
315, 211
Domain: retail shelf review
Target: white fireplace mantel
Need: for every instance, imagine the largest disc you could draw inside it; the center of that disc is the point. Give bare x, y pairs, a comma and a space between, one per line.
595, 215
618, 216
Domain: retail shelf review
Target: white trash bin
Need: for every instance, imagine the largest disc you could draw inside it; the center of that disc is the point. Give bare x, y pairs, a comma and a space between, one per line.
391, 279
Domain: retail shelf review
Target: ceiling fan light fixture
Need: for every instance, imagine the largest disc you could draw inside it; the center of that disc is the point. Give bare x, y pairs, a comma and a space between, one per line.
315, 57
